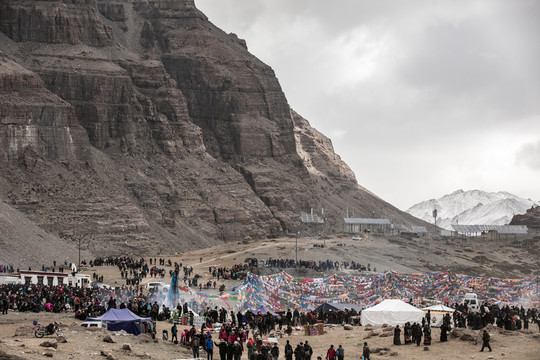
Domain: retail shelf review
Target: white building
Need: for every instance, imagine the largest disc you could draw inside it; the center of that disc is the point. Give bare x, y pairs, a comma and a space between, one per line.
46, 278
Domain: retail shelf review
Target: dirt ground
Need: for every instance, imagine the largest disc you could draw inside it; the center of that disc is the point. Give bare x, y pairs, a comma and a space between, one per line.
16, 331
88, 344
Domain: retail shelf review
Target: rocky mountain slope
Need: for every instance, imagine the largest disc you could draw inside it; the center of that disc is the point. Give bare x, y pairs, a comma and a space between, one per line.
136, 124
472, 207
531, 218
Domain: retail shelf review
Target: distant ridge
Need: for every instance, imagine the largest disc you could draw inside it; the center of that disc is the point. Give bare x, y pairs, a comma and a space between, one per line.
472, 207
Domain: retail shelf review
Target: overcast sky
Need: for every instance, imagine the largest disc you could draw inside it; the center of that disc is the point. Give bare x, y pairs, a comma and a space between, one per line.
420, 98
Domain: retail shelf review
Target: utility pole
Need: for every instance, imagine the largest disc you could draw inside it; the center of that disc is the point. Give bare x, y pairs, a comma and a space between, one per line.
435, 216
79, 252
296, 263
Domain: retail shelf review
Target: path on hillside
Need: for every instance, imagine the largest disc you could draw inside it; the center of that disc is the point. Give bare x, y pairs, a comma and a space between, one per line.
233, 254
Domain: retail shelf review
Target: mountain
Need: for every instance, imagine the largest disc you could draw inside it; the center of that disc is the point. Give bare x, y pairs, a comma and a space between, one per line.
472, 207
139, 125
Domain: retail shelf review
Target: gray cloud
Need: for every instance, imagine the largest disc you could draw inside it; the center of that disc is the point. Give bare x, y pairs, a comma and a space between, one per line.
445, 92
529, 155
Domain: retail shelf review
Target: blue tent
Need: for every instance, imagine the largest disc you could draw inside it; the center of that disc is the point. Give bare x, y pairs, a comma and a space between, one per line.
130, 327
121, 319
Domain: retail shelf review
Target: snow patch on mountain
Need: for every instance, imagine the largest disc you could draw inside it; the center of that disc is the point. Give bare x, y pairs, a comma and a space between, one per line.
473, 207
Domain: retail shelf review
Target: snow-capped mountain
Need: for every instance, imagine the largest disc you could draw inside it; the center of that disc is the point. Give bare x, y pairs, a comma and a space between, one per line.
474, 207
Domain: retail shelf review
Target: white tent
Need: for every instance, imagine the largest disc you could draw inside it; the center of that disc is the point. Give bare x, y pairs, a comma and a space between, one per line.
437, 313
391, 312
439, 307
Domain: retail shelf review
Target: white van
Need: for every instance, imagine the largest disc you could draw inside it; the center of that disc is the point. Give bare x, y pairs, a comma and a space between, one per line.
471, 299
156, 285
94, 324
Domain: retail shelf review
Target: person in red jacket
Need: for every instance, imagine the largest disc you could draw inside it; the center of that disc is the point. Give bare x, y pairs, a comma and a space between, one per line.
331, 354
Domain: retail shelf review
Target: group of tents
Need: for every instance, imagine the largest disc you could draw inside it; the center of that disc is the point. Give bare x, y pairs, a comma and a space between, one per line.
397, 312
390, 311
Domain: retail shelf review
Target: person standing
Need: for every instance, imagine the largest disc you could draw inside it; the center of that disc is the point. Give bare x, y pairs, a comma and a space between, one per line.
174, 333
331, 353
485, 341
340, 353
195, 345
275, 352
418, 335
444, 332
5, 304
308, 351
427, 335
250, 345
209, 348
407, 334
237, 350
299, 352
288, 351
366, 352
222, 349
230, 350
397, 335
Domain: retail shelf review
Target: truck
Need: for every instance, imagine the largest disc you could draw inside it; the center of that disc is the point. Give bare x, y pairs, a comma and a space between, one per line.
471, 299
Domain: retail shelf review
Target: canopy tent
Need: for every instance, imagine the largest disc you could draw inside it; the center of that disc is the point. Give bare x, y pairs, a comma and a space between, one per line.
439, 307
121, 319
391, 312
337, 306
437, 312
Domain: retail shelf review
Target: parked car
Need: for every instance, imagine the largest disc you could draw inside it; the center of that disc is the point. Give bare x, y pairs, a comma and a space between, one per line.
357, 237
94, 324
155, 285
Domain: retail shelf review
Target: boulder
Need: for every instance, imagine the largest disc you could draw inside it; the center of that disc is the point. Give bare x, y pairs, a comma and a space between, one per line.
372, 333
348, 327
50, 343
47, 354
467, 337
6, 356
510, 332
61, 339
126, 347
108, 339
386, 334
108, 355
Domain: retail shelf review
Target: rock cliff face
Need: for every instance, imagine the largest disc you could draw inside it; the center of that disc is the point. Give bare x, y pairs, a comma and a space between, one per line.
136, 124
531, 218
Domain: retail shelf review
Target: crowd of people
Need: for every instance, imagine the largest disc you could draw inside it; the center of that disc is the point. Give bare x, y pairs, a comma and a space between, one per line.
507, 317
236, 272
240, 332
7, 269
321, 265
